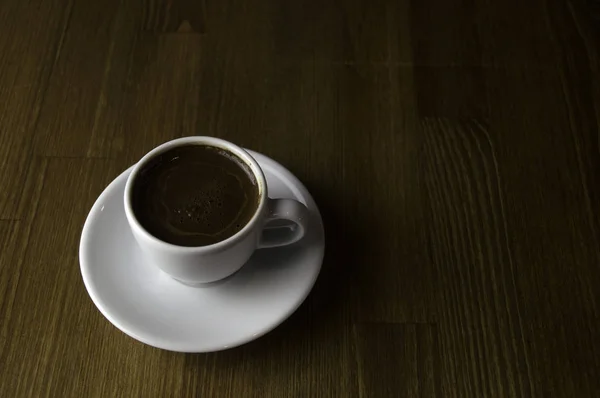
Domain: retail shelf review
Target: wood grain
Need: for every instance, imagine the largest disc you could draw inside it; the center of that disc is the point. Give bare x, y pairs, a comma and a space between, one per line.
32, 35
411, 350
452, 148
180, 16
476, 274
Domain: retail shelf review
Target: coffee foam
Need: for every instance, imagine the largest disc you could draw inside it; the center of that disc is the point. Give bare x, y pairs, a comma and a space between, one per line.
196, 195
205, 207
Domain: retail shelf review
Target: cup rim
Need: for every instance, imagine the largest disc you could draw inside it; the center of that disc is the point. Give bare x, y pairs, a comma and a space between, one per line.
206, 140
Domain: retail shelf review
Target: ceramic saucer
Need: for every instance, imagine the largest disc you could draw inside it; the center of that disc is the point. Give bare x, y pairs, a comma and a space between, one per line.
153, 308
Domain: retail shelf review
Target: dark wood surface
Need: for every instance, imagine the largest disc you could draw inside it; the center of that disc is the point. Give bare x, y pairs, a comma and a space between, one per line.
452, 147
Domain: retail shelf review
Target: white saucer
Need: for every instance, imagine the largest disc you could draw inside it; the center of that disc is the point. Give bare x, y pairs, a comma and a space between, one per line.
155, 309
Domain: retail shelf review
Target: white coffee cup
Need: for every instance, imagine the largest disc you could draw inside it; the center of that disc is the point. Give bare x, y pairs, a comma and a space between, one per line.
204, 264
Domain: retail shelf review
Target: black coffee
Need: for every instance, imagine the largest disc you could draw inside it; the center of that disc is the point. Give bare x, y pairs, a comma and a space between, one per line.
195, 195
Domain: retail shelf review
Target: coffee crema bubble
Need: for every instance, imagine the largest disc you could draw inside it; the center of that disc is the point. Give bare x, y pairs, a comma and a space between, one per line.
195, 195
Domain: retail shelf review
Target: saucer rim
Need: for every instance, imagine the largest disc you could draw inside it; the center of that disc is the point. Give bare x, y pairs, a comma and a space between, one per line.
175, 346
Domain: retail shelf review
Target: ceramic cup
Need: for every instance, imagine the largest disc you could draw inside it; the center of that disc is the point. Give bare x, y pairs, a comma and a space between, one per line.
204, 264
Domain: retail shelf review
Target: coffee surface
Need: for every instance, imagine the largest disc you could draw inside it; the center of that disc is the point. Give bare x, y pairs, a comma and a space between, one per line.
195, 195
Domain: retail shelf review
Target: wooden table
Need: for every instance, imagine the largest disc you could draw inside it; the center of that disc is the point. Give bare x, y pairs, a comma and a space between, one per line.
452, 147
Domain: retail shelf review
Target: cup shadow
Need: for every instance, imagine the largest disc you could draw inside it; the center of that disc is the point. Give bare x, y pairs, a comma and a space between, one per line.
330, 304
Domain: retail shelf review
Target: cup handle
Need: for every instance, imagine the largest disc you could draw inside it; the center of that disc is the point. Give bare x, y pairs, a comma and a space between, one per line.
281, 235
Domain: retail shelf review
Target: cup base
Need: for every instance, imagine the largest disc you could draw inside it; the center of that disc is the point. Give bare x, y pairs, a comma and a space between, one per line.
204, 284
